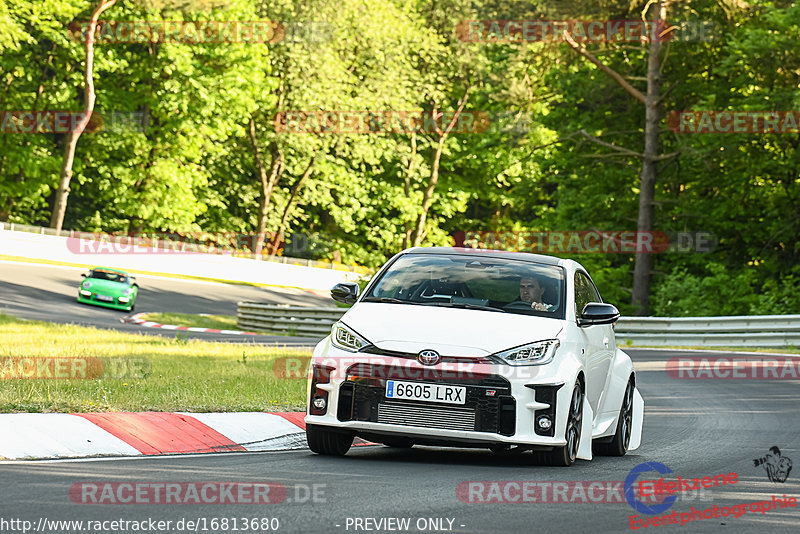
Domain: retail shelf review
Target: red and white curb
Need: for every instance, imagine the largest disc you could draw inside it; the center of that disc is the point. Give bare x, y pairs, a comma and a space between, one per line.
137, 319
28, 436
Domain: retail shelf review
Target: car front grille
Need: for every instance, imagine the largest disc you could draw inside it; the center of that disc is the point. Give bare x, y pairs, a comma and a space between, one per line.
362, 397
425, 416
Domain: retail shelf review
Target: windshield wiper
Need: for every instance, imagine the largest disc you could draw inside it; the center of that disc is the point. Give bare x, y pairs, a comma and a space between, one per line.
389, 300
465, 306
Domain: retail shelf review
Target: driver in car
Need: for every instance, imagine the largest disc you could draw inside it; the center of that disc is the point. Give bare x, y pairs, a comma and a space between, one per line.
531, 291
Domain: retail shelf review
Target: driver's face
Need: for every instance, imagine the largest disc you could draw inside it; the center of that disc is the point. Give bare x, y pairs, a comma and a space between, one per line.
530, 290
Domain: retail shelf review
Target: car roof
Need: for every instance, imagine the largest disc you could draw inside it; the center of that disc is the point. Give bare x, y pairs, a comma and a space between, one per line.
524, 256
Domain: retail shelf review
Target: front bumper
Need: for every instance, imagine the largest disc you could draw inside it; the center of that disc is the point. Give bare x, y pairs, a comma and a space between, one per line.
116, 305
502, 404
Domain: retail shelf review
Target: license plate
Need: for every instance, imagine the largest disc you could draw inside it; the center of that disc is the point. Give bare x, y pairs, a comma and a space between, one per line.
426, 392
104, 298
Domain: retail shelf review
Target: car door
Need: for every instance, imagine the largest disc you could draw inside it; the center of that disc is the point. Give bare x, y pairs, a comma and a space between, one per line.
596, 342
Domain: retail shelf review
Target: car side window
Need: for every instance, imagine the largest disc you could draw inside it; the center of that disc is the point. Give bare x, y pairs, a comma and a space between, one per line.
593, 293
585, 292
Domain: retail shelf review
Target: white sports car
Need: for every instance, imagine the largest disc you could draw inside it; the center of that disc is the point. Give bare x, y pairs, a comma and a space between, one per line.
475, 348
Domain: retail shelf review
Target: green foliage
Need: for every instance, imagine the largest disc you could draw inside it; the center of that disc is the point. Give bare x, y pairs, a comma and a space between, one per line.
722, 292
193, 166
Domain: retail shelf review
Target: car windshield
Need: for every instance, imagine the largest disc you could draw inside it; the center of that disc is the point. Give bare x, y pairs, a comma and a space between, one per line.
473, 282
109, 275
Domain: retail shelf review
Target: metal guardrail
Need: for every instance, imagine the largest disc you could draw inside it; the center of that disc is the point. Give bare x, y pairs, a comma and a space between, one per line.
291, 320
732, 331
735, 331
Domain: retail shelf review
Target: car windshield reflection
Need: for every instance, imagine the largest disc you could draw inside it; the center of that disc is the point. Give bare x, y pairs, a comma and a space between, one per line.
464, 281
108, 275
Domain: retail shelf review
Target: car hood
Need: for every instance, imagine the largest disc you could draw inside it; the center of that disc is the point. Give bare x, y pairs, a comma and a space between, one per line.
105, 286
449, 331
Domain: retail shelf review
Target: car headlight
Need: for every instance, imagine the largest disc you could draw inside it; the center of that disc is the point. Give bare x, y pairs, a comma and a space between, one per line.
343, 337
538, 353
127, 291
87, 285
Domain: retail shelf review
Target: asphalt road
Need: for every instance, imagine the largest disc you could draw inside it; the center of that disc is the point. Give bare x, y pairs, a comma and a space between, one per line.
48, 293
695, 427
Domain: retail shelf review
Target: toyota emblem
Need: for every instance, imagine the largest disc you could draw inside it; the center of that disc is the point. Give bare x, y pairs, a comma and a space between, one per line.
428, 357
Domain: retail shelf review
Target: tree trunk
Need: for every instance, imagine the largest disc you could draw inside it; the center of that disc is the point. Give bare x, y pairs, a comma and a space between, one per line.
649, 174
427, 199
268, 181
287, 210
407, 187
62, 193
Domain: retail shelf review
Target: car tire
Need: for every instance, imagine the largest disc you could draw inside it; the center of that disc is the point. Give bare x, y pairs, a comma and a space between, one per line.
618, 445
328, 442
565, 456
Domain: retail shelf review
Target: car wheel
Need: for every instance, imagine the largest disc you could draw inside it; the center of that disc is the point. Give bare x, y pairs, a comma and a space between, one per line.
329, 442
565, 456
618, 445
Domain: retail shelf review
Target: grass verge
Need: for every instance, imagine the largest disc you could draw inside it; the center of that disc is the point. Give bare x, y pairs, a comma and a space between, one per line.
178, 374
220, 322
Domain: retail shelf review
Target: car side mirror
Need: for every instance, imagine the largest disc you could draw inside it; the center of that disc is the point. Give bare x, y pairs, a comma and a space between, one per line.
83, 275
346, 292
596, 313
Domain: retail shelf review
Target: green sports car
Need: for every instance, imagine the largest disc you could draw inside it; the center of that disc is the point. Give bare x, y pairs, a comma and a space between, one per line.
110, 288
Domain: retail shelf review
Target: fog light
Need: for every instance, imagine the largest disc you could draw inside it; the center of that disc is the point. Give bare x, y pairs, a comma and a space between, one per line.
123, 299
544, 422
86, 293
320, 403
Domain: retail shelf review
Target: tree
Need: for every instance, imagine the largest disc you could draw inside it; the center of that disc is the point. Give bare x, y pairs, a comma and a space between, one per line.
62, 193
649, 157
